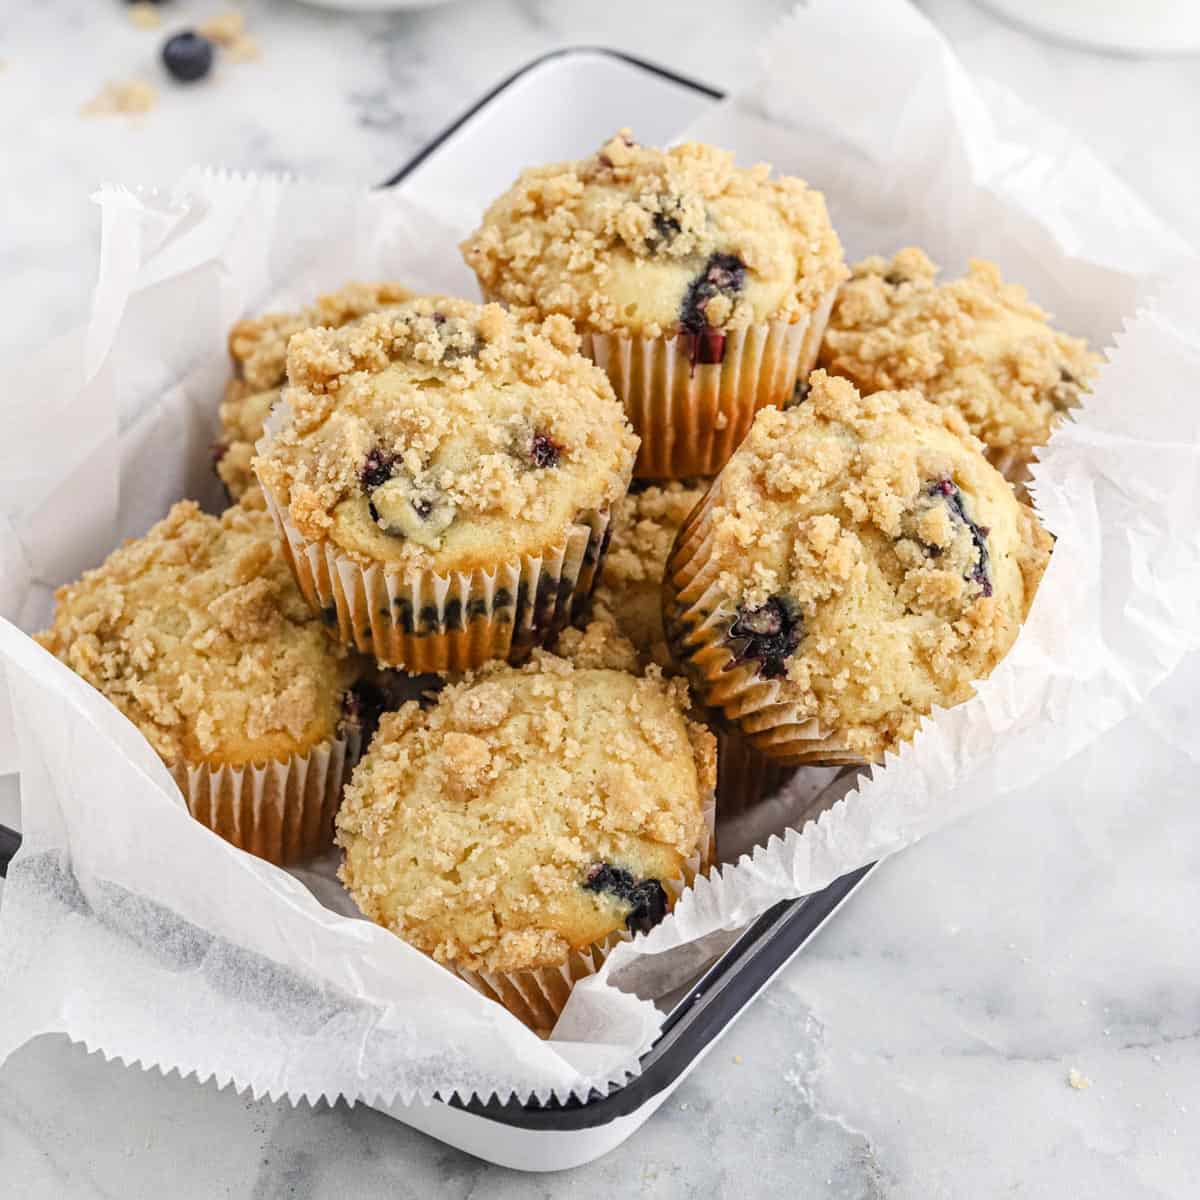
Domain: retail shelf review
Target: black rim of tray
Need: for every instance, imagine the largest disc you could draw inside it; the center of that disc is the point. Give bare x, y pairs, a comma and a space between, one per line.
742, 971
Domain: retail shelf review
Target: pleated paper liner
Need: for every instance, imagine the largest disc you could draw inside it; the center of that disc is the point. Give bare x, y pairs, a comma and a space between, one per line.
280, 810
692, 398
424, 622
537, 996
696, 619
745, 775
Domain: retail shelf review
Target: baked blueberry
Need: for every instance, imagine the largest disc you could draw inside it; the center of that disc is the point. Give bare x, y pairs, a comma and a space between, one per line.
949, 491
723, 275
544, 451
768, 634
666, 229
646, 898
188, 56
377, 469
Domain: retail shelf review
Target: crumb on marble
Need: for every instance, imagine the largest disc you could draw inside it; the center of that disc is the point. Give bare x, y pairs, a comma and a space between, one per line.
126, 97
228, 30
1078, 1080
144, 16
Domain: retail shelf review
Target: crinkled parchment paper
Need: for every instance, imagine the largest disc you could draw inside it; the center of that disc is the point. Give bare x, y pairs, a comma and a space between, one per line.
131, 928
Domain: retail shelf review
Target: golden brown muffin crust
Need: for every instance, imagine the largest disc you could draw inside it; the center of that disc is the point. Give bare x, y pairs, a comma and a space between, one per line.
444, 435
621, 241
975, 344
871, 559
197, 633
258, 347
473, 829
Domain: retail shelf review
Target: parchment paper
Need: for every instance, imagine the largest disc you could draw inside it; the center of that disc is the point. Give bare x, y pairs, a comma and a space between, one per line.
129, 927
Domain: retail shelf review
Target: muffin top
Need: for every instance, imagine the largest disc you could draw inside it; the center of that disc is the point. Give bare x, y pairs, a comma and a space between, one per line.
243, 416
444, 435
527, 813
258, 347
197, 633
629, 596
871, 559
975, 344
654, 242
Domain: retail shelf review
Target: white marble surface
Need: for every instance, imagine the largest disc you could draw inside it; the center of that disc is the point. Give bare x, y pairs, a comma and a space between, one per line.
923, 1046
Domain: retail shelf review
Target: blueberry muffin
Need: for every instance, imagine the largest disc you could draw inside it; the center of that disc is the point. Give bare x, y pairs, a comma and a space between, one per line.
700, 287
443, 476
197, 633
629, 594
258, 348
857, 562
529, 820
975, 344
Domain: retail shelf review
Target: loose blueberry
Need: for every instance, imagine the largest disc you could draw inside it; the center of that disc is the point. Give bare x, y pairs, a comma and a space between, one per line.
377, 470
948, 490
646, 898
768, 634
544, 451
188, 56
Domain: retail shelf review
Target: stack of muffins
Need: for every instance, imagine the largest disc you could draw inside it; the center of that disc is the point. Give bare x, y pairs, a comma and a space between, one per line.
656, 560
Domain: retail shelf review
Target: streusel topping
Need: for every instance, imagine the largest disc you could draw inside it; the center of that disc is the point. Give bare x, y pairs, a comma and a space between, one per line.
258, 347
444, 435
629, 596
243, 416
198, 634
528, 812
650, 241
975, 344
870, 559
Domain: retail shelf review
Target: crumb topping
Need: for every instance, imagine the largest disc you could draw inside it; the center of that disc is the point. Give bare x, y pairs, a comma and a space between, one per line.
657, 241
629, 595
198, 634
975, 344
870, 559
476, 829
258, 347
122, 97
444, 435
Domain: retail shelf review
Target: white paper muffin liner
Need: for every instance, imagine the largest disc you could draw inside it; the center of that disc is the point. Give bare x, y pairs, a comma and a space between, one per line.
538, 995
281, 810
424, 622
696, 620
690, 414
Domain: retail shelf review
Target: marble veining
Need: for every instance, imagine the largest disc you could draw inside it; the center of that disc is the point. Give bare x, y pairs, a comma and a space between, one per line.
924, 1045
